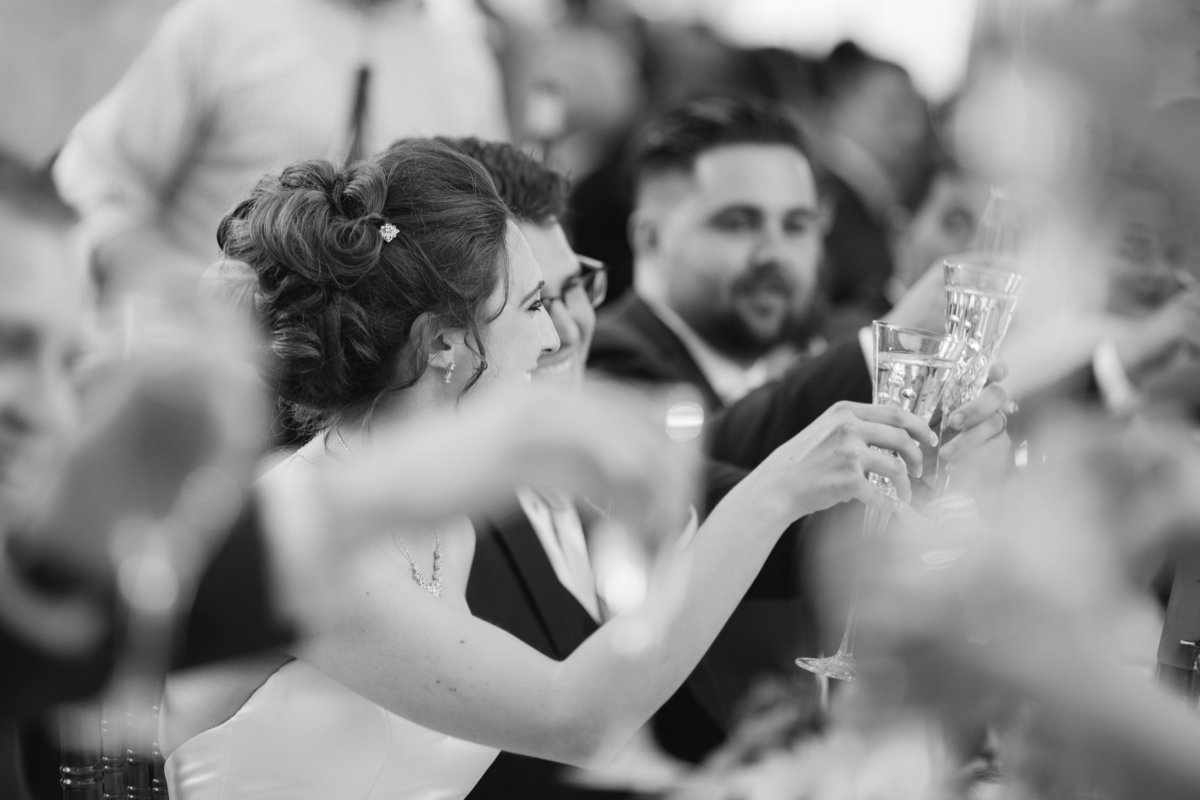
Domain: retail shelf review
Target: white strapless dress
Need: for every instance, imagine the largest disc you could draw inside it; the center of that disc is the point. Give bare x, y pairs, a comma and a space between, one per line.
304, 736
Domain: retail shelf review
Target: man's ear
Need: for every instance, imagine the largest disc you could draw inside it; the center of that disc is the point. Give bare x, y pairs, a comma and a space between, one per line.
643, 234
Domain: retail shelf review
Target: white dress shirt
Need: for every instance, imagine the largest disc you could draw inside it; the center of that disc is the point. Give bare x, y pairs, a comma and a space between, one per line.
229, 90
558, 528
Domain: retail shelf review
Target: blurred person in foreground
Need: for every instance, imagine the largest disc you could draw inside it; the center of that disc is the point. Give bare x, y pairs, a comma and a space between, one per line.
98, 435
91, 441
226, 91
437, 302
1129, 335
1038, 620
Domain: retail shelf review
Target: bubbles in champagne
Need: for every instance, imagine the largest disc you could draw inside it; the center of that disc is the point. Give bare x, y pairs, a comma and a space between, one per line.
912, 381
981, 318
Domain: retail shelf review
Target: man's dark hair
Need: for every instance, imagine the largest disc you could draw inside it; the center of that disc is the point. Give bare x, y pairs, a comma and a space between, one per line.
674, 139
30, 194
532, 191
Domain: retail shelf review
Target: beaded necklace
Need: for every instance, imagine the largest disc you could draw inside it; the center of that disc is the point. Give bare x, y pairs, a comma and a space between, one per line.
433, 584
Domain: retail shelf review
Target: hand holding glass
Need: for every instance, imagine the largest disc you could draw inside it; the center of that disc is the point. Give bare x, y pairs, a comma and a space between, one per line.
912, 367
980, 301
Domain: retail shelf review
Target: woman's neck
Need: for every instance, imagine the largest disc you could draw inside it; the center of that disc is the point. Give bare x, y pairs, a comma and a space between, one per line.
425, 399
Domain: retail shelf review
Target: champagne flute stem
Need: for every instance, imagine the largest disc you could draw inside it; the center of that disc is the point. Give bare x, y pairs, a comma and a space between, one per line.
874, 524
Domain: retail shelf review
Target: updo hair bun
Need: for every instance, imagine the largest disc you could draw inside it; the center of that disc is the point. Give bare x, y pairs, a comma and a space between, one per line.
340, 305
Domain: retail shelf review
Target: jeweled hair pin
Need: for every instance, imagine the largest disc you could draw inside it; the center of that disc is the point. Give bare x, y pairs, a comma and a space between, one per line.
388, 231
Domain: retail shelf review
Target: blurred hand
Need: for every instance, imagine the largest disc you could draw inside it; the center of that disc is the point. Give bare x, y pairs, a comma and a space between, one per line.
605, 442
1154, 339
173, 429
827, 463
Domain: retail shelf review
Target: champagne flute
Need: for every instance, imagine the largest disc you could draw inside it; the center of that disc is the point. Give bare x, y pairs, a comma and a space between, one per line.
912, 367
980, 300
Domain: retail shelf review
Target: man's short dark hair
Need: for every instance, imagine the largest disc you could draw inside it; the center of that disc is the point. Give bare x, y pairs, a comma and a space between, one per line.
30, 194
532, 191
674, 139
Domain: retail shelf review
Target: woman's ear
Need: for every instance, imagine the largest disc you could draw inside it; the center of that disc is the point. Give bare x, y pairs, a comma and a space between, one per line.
449, 348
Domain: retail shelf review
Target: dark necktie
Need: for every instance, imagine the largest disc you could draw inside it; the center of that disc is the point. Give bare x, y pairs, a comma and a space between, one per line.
358, 114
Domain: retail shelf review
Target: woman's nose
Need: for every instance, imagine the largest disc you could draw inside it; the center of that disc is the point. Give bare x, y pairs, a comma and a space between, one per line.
549, 333
564, 324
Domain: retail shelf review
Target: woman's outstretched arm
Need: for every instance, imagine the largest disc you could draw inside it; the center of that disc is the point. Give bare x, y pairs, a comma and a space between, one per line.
430, 662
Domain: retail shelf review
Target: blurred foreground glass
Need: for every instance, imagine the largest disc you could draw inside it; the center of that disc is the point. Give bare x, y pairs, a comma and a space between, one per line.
176, 427
912, 367
639, 553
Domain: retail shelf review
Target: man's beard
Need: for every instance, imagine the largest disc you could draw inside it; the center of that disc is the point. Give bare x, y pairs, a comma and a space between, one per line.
731, 335
729, 330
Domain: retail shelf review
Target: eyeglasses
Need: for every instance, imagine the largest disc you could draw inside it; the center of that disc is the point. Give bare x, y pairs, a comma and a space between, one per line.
590, 282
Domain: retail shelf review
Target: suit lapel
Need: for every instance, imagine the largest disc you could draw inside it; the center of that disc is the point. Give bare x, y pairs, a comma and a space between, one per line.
565, 621
671, 350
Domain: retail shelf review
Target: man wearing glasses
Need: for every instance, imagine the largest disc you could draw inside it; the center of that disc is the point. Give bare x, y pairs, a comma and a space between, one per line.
532, 574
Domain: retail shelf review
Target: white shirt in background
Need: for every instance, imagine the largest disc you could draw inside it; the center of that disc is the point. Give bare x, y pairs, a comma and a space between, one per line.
229, 90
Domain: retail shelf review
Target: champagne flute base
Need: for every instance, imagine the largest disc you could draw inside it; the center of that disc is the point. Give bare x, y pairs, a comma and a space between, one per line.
839, 666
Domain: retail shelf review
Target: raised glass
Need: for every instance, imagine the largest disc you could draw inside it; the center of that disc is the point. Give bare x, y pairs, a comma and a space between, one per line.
912, 367
980, 300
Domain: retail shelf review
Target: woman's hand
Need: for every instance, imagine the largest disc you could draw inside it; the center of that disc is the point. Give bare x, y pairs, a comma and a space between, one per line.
828, 462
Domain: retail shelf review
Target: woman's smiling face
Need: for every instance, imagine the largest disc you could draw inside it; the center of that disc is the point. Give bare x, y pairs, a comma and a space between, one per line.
522, 331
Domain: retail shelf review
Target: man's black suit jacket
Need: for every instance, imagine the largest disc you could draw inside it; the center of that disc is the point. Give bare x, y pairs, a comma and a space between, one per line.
776, 620
513, 586
632, 343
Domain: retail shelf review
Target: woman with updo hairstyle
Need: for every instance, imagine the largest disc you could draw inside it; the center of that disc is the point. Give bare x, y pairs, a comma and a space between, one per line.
402, 287
340, 303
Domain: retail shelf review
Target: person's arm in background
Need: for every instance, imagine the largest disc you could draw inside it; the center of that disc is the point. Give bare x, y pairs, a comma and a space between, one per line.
120, 163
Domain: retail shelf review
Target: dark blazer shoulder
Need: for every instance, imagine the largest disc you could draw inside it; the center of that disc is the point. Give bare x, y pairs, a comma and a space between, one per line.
746, 432
632, 343
513, 586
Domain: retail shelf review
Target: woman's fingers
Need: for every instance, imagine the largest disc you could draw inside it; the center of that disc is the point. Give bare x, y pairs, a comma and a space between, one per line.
896, 417
892, 469
899, 442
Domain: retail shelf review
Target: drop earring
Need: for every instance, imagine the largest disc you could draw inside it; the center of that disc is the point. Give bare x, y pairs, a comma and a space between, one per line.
449, 373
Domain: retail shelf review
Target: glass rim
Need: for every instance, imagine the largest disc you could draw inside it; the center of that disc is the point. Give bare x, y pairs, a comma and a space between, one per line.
895, 326
976, 266
1004, 282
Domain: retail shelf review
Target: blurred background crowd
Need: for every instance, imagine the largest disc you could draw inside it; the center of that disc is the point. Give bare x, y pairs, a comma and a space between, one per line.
1041, 644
